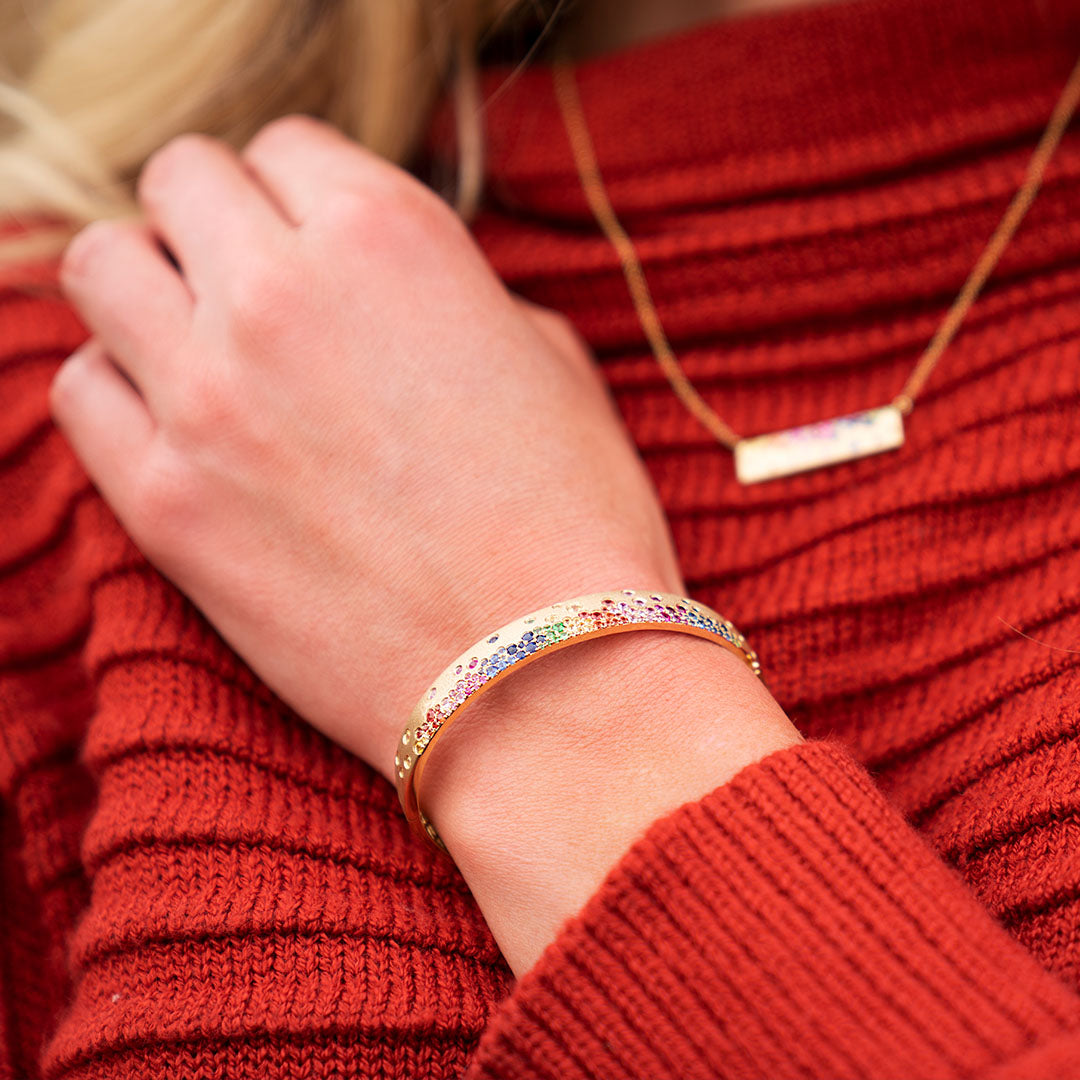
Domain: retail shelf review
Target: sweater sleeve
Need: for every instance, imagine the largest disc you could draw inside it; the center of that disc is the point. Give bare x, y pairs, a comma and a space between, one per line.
791, 923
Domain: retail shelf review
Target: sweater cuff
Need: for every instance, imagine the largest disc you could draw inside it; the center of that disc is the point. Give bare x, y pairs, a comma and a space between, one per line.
791, 923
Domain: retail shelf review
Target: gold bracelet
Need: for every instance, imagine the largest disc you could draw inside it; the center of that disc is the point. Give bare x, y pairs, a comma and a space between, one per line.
524, 640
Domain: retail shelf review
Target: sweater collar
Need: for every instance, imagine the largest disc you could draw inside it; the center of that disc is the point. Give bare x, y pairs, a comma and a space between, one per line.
776, 101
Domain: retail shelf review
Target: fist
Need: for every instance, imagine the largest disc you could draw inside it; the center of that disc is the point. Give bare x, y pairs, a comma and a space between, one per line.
315, 408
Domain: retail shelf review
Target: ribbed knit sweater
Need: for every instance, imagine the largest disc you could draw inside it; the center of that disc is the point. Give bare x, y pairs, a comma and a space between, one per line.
197, 884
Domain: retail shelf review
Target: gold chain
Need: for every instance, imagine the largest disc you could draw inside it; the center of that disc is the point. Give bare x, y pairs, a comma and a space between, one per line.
585, 159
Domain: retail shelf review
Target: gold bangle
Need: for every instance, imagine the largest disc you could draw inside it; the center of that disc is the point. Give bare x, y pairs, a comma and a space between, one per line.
524, 640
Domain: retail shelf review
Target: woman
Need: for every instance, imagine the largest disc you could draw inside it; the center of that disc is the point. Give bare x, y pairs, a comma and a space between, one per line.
347, 438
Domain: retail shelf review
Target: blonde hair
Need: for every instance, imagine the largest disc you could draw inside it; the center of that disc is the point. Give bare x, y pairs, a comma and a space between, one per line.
90, 88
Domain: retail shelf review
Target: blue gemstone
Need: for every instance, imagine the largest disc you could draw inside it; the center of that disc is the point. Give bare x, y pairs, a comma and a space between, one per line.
527, 636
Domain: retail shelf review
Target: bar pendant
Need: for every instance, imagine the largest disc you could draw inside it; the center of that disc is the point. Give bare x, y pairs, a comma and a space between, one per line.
812, 446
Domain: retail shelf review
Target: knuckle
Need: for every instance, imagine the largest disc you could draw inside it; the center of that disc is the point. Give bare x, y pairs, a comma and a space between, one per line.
390, 210
169, 160
421, 207
63, 393
165, 499
260, 297
355, 212
286, 128
435, 218
205, 406
86, 247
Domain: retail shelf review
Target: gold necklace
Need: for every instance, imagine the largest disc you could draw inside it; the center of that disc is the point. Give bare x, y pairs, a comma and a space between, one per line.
828, 442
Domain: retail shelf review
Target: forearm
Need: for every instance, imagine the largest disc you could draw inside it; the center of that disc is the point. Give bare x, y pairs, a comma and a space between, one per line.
552, 775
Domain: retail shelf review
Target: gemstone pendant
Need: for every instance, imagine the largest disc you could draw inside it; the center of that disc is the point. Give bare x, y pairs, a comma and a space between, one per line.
812, 446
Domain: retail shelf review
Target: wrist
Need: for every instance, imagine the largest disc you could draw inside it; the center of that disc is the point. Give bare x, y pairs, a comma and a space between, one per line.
553, 774
483, 606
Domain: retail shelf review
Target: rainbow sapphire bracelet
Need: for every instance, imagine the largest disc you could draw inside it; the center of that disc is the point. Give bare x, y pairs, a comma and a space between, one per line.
524, 640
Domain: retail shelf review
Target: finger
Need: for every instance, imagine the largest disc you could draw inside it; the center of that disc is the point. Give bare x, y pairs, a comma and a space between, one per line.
302, 159
130, 297
208, 208
103, 418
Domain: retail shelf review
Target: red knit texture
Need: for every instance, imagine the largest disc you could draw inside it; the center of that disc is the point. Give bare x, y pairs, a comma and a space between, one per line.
196, 884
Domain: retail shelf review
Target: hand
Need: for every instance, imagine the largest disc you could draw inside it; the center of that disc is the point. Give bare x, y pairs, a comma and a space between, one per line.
340, 435
334, 428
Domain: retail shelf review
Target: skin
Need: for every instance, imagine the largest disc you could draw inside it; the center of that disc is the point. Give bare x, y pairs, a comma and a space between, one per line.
357, 452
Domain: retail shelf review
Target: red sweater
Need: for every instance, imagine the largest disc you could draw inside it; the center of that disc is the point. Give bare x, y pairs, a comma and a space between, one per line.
196, 884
